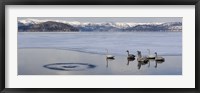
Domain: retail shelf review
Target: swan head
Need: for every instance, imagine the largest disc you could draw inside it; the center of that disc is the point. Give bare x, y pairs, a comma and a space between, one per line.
127, 51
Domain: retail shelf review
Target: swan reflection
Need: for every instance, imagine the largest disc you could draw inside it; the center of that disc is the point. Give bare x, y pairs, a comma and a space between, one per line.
149, 62
129, 60
142, 63
107, 61
158, 62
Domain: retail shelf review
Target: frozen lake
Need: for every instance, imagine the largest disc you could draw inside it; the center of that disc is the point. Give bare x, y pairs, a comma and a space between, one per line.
165, 43
83, 53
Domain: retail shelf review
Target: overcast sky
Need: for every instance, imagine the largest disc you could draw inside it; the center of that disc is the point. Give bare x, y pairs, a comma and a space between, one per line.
110, 19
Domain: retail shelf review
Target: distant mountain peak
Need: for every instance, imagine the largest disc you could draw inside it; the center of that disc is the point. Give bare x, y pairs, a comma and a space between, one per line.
25, 24
31, 21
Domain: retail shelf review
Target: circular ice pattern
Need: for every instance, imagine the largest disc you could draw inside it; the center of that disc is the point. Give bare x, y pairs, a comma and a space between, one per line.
69, 66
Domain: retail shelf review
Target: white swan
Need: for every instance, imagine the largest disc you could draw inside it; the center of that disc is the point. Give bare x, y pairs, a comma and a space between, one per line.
130, 56
109, 56
150, 56
140, 58
158, 58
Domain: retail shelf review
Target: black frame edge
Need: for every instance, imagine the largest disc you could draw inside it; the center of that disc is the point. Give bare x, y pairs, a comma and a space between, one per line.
197, 38
101, 2
104, 2
2, 49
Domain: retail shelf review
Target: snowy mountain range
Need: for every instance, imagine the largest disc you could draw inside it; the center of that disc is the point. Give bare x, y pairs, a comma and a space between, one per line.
34, 25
